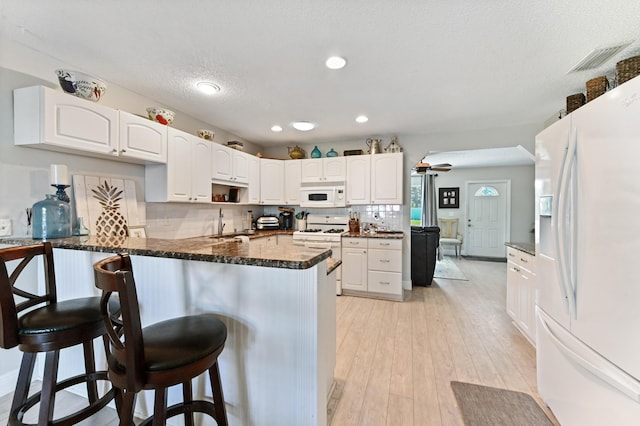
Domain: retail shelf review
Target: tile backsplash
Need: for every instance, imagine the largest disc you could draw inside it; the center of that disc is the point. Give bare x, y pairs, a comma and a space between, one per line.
177, 220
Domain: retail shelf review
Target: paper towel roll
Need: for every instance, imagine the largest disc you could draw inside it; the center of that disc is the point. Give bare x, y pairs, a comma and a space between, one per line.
243, 238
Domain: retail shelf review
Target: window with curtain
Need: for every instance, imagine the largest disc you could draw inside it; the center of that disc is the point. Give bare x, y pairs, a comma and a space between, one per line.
416, 200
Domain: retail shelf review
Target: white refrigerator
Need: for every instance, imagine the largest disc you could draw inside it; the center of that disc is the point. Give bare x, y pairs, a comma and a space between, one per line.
587, 189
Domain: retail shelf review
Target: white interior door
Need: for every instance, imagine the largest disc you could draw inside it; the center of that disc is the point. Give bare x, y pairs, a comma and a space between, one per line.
487, 218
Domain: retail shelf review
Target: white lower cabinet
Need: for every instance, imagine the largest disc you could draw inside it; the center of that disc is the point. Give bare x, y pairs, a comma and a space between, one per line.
521, 291
372, 267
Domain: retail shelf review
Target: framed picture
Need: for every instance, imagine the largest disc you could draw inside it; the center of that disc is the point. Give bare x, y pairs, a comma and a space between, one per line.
449, 198
138, 232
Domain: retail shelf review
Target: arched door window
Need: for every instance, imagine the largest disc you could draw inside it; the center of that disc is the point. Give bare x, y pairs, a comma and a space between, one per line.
487, 191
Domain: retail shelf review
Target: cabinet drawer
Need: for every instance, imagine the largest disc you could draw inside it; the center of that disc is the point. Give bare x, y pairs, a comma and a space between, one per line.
385, 260
354, 243
385, 282
384, 243
521, 259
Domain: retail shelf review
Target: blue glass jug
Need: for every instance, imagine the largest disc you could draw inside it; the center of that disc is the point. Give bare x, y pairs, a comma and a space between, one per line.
51, 218
316, 153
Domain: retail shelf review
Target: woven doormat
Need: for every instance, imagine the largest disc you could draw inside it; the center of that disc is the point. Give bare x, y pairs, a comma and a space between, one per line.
487, 406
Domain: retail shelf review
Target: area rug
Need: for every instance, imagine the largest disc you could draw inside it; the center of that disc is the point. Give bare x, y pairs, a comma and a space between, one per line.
487, 406
446, 268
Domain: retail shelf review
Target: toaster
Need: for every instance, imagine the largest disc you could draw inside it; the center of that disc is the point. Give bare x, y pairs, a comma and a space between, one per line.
268, 222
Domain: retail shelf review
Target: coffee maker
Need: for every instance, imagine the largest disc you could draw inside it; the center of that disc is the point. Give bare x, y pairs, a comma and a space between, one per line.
286, 220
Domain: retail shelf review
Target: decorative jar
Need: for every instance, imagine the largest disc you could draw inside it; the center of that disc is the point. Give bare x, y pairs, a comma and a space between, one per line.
51, 218
316, 152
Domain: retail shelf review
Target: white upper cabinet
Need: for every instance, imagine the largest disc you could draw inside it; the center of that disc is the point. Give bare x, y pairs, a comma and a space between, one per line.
49, 119
229, 166
386, 178
187, 175
55, 120
253, 190
358, 179
271, 181
292, 174
142, 138
321, 170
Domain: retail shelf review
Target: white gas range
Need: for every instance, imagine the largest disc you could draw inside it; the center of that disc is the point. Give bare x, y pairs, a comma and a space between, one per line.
325, 232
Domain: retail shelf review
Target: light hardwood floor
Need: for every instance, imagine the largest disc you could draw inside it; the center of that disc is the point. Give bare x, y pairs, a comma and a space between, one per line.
395, 360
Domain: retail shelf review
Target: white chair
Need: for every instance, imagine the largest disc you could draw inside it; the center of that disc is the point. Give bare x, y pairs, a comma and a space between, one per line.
449, 234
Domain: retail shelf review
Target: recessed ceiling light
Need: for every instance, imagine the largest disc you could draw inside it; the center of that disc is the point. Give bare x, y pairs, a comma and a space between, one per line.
303, 126
336, 62
276, 128
362, 119
208, 88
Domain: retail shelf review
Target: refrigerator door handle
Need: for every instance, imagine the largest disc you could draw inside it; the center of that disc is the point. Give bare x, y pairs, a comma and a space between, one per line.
597, 365
557, 225
567, 262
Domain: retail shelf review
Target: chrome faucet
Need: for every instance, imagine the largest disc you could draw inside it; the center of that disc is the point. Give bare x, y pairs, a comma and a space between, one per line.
220, 223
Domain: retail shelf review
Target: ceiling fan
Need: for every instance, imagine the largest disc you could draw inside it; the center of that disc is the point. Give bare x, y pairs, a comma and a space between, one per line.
422, 168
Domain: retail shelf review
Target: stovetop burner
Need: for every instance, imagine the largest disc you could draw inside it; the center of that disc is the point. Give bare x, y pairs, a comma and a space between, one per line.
311, 230
335, 231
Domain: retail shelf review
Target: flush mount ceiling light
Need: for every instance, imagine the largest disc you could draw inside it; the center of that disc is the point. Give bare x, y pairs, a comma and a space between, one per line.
336, 62
276, 128
208, 88
303, 126
362, 119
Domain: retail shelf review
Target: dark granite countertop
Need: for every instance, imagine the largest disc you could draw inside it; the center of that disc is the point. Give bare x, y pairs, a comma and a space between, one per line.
529, 248
386, 234
206, 249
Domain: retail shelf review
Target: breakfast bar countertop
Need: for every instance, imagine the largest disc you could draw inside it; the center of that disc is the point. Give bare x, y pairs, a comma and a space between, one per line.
206, 249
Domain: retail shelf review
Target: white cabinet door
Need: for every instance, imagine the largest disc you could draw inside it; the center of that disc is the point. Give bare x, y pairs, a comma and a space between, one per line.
142, 138
187, 175
229, 166
271, 181
316, 170
334, 169
46, 118
358, 179
513, 290
354, 269
311, 170
241, 167
292, 174
386, 178
178, 167
253, 189
221, 163
200, 170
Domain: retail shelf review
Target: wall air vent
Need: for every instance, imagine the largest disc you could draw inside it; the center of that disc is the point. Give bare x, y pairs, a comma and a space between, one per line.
598, 57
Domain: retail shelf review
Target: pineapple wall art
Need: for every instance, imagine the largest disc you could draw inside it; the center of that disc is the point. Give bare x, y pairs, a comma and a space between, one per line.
107, 204
110, 223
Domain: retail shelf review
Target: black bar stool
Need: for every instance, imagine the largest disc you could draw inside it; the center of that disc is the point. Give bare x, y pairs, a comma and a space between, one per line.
160, 355
39, 323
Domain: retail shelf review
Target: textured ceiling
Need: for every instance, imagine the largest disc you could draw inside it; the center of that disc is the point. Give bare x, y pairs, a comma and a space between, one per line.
414, 66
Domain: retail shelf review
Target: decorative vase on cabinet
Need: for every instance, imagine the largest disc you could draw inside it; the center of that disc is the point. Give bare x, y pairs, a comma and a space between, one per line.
332, 153
316, 152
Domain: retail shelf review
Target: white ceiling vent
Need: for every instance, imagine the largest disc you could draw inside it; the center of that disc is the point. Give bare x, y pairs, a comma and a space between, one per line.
598, 57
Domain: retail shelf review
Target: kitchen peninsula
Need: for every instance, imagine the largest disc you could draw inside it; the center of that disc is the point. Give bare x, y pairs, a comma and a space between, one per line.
277, 301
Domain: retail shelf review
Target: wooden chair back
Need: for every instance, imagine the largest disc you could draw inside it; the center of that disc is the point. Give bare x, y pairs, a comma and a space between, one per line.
448, 228
125, 353
9, 308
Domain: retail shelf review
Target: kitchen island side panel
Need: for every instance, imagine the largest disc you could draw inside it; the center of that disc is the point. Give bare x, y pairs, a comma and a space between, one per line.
278, 361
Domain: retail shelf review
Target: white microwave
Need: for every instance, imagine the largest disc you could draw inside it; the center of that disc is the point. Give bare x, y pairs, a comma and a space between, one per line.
323, 196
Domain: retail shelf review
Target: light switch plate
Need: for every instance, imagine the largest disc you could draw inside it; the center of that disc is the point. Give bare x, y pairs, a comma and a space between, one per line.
5, 227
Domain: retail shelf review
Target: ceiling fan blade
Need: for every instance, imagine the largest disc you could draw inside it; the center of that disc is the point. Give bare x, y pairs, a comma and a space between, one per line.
440, 169
441, 165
